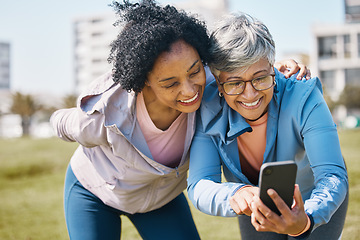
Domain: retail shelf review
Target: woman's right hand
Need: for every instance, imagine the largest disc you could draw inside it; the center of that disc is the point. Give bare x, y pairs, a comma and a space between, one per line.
292, 221
241, 200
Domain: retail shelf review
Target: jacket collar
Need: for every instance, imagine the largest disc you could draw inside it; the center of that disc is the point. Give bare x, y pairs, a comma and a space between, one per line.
109, 98
217, 118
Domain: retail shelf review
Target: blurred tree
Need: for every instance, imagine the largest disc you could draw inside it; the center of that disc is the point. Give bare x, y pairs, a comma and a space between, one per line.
26, 106
331, 104
350, 97
69, 101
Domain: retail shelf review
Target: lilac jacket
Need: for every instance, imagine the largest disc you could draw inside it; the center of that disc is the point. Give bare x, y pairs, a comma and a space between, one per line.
113, 160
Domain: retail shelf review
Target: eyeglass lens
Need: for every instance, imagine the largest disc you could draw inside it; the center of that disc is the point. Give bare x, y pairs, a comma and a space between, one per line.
237, 87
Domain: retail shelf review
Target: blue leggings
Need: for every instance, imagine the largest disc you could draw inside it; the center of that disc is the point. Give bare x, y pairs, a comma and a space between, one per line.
87, 217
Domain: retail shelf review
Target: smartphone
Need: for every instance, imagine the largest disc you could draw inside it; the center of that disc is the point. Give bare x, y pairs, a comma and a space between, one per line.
281, 177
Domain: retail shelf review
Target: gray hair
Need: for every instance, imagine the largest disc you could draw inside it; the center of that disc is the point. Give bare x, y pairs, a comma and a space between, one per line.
239, 41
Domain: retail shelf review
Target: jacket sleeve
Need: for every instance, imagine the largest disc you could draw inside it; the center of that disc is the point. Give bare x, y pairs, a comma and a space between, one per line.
322, 146
74, 125
205, 189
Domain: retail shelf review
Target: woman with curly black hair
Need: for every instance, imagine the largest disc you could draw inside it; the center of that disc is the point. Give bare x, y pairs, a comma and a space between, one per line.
135, 125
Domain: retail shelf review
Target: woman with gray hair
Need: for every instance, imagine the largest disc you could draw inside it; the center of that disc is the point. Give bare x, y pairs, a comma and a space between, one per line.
253, 115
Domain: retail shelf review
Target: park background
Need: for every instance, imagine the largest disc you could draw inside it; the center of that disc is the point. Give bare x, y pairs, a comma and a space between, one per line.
31, 191
32, 169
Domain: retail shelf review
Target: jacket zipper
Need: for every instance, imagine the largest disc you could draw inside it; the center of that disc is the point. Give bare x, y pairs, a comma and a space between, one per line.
177, 172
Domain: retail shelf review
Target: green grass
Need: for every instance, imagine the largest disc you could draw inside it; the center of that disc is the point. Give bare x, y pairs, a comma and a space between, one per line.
31, 189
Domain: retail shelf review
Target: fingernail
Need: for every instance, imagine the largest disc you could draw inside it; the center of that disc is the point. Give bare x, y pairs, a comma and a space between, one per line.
271, 191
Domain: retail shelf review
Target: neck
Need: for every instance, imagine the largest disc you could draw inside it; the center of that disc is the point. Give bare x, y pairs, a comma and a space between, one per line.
161, 115
253, 120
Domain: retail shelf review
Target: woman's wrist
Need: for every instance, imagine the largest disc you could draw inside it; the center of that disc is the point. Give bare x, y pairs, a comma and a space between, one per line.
308, 224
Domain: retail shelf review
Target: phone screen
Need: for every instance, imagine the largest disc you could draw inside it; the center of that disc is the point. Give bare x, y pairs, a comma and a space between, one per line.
281, 177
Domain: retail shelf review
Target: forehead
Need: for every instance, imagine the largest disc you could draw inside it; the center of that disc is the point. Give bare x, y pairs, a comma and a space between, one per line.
179, 51
177, 61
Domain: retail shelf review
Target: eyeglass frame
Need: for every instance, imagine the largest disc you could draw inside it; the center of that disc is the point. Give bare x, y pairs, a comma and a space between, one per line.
222, 87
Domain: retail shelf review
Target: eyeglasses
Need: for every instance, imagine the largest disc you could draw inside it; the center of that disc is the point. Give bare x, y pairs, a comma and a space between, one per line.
237, 87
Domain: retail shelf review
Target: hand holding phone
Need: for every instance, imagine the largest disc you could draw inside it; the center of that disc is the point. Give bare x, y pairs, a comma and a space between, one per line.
281, 177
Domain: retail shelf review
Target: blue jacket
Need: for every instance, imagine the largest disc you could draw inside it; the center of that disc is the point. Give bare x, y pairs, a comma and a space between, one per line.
299, 127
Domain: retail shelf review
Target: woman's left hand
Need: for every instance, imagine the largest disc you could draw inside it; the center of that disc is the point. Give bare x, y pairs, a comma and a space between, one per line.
290, 67
291, 221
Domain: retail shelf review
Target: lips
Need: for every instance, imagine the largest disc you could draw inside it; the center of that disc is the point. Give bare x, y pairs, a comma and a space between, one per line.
252, 104
190, 101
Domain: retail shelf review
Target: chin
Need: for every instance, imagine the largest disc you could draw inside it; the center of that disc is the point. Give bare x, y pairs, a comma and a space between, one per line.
190, 109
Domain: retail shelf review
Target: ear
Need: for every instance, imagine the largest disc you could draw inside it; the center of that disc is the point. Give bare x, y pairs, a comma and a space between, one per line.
220, 90
219, 86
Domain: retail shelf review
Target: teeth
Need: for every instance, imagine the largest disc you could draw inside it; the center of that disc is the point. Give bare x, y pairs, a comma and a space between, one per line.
251, 104
191, 99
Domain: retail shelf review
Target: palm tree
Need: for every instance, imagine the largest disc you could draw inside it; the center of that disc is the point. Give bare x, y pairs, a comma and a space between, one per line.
25, 106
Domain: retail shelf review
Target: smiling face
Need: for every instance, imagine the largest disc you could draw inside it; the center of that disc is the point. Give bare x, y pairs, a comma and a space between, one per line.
251, 104
177, 80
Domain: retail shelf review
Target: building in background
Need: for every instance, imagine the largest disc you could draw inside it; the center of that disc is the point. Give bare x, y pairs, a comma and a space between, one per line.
4, 66
336, 55
9, 123
207, 10
352, 11
93, 35
92, 38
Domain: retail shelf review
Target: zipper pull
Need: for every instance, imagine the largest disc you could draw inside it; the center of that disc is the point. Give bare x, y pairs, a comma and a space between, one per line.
177, 172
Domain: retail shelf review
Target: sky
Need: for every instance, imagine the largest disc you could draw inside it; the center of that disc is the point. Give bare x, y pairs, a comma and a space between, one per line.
41, 36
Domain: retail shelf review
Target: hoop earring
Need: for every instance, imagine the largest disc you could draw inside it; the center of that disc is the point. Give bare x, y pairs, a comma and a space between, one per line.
221, 94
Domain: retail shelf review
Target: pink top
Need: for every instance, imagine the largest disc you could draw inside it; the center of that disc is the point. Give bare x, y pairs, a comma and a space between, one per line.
166, 146
252, 147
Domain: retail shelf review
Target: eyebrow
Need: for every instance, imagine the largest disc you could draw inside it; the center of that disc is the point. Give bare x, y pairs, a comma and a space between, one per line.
167, 79
192, 65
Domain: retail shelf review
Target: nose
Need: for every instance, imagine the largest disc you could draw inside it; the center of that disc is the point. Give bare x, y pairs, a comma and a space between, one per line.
188, 88
249, 92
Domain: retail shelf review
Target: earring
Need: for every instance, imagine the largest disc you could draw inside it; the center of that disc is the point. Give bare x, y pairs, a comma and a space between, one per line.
221, 94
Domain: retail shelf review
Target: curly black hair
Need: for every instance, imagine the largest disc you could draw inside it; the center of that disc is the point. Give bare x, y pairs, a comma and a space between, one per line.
148, 30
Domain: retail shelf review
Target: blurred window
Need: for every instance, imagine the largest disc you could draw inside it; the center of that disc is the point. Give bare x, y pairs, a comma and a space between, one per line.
327, 47
347, 46
328, 80
358, 43
352, 76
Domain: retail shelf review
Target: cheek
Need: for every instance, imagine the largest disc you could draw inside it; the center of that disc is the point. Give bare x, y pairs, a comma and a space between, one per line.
231, 101
269, 95
203, 79
166, 96
200, 79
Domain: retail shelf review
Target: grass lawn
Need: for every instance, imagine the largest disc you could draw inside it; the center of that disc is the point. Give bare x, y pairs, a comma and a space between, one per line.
31, 189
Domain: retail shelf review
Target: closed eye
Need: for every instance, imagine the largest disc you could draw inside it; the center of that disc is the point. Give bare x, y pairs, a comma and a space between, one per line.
235, 83
171, 85
260, 79
195, 72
